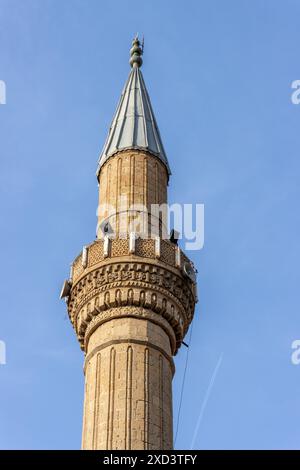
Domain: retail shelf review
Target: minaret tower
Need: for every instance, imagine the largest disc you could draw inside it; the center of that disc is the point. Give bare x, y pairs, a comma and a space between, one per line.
131, 293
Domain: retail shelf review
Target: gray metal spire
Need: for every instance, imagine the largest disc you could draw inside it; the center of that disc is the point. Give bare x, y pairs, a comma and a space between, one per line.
134, 125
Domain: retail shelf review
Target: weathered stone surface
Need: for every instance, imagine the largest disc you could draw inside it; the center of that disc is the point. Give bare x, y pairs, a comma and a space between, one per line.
130, 310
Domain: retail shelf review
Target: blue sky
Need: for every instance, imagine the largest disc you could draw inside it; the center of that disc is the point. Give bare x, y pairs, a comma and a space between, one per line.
219, 75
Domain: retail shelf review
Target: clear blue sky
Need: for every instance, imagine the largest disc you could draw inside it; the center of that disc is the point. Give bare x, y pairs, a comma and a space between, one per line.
219, 75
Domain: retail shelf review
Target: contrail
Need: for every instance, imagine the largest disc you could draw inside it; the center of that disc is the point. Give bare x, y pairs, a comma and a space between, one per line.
204, 403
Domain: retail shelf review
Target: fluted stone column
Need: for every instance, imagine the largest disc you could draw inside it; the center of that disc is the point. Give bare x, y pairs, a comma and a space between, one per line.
130, 185
128, 393
130, 310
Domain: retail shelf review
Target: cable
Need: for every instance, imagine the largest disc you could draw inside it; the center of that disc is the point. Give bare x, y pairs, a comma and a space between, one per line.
183, 382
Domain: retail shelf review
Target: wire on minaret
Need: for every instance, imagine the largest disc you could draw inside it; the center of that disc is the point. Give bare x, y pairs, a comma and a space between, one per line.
183, 383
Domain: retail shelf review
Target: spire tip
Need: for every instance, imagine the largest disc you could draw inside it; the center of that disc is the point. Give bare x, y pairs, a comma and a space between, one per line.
136, 52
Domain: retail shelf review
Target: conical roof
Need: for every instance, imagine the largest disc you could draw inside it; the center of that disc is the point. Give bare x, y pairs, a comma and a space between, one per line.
134, 125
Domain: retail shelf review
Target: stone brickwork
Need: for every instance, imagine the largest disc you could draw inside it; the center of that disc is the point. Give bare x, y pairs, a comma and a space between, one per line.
128, 394
136, 177
130, 303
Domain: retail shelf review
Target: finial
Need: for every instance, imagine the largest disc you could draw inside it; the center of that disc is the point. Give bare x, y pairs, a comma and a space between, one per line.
136, 52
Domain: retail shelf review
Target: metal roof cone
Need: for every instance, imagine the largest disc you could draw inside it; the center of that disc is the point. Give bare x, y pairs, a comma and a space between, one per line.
134, 125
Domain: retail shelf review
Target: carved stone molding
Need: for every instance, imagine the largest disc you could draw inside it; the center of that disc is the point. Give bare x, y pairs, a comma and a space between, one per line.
119, 247
164, 294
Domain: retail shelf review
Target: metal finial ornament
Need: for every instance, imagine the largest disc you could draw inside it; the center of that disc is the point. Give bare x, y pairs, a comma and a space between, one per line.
136, 53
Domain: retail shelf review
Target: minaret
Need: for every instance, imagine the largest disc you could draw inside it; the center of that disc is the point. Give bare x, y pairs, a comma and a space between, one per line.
131, 292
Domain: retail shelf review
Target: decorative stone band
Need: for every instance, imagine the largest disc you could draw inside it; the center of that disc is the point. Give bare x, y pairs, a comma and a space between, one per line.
161, 294
133, 312
155, 248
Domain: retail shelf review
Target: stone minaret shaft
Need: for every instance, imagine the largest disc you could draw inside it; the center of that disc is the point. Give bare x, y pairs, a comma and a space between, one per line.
129, 297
